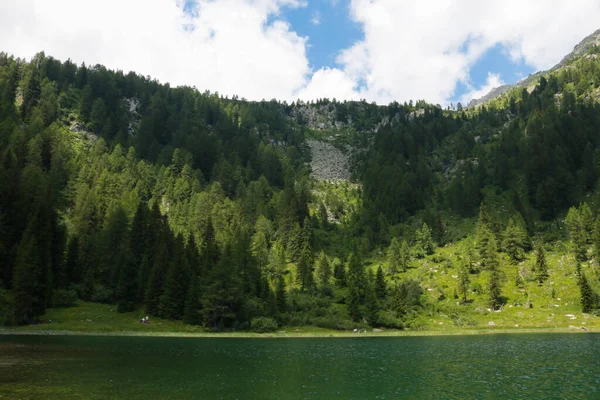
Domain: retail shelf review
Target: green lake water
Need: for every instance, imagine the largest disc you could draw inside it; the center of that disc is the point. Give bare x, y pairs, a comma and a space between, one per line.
522, 366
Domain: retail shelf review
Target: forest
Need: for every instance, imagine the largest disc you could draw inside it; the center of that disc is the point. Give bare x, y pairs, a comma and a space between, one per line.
118, 189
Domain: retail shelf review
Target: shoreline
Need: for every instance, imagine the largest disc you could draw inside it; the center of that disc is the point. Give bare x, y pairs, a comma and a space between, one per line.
293, 335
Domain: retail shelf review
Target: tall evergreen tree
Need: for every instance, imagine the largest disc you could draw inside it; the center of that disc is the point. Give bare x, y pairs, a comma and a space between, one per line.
323, 270
127, 288
463, 281
513, 242
176, 284
222, 297
281, 295
380, 285
541, 267
587, 295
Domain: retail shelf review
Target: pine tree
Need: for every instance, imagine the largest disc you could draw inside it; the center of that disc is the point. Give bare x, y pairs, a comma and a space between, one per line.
222, 297
596, 237
463, 281
323, 270
380, 285
339, 273
578, 232
193, 307
281, 295
127, 287
154, 288
491, 263
513, 242
424, 243
372, 304
541, 267
587, 295
304, 273
176, 285
72, 264
494, 290
489, 256
356, 286
398, 256
323, 217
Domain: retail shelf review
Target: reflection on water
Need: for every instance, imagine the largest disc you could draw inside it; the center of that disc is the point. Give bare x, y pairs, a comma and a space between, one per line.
523, 366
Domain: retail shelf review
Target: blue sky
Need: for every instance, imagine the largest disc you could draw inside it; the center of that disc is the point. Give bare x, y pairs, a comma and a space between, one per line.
442, 51
330, 29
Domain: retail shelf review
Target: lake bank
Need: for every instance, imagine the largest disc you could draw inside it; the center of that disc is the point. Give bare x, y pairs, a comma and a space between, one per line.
92, 319
306, 333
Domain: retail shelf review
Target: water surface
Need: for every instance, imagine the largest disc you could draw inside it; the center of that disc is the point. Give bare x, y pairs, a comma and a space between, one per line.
507, 366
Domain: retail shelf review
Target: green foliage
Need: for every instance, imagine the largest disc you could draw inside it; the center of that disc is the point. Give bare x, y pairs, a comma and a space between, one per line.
424, 242
105, 207
323, 270
515, 239
579, 223
588, 303
263, 324
398, 256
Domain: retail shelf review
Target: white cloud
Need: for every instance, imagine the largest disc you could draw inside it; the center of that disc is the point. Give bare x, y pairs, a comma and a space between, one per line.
231, 47
410, 50
316, 18
492, 82
331, 83
414, 50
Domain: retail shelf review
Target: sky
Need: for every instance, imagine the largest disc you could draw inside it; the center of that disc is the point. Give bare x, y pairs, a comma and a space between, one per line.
442, 51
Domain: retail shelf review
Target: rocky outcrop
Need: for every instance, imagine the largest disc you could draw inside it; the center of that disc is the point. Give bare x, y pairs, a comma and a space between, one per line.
328, 162
317, 117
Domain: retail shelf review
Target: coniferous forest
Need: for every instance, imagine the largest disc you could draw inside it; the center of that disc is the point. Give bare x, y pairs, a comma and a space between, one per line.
188, 205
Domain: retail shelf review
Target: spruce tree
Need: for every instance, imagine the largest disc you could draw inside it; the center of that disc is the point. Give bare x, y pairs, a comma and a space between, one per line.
127, 287
176, 284
494, 290
587, 294
222, 297
541, 267
463, 281
513, 242
380, 285
281, 295
339, 273
154, 287
323, 217
372, 303
424, 243
193, 308
323, 270
492, 265
356, 286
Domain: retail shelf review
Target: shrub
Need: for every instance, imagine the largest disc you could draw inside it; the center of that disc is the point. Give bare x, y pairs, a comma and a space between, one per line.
263, 324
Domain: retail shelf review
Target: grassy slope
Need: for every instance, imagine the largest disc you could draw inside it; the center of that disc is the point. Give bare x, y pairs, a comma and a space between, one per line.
99, 319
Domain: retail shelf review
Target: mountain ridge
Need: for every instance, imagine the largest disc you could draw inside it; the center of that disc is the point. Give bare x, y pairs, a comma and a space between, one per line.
581, 48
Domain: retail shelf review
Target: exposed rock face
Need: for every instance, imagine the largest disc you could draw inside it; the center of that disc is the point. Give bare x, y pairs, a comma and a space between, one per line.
581, 48
317, 117
328, 162
132, 105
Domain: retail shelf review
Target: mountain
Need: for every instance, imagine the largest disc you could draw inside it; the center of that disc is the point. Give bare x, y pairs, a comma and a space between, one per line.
578, 50
190, 206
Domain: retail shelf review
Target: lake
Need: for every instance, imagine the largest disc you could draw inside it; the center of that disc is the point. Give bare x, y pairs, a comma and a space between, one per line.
503, 366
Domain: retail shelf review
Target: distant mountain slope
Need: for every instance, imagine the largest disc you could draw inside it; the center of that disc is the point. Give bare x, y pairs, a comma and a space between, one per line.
578, 50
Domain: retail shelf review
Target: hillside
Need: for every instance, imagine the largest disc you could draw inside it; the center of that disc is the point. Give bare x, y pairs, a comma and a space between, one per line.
236, 215
580, 49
